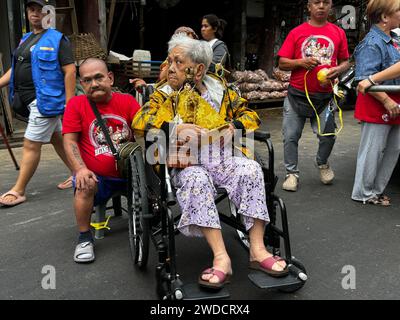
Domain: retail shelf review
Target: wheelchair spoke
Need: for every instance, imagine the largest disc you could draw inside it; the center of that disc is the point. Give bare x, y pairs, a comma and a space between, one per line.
139, 226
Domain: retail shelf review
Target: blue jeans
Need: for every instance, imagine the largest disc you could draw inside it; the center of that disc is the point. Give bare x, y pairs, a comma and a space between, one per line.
293, 125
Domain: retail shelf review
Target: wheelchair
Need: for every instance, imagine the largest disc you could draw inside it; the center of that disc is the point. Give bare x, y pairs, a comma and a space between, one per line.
151, 220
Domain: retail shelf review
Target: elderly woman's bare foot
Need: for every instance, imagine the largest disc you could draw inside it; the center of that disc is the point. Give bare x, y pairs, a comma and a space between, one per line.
222, 263
260, 254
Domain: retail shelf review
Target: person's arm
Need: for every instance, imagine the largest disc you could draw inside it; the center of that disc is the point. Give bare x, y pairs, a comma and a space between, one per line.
70, 81
82, 173
5, 79
334, 72
343, 63
287, 64
390, 105
390, 73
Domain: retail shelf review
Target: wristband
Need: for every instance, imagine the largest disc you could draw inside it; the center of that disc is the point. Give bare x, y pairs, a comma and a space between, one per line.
372, 82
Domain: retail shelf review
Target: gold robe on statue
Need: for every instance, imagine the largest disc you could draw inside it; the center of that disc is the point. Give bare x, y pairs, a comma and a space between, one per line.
165, 104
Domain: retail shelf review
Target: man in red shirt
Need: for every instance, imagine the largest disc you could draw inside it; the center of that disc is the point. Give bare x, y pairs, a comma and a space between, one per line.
95, 175
310, 47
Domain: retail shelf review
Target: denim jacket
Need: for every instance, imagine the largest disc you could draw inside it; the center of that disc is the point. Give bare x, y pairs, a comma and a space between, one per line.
375, 53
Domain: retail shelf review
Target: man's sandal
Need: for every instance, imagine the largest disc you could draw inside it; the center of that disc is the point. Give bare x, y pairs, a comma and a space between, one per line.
84, 252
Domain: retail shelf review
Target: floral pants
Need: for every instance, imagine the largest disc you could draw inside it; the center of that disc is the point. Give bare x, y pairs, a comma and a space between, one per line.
241, 177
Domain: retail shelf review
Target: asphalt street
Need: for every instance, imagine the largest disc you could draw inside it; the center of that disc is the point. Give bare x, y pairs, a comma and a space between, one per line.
329, 232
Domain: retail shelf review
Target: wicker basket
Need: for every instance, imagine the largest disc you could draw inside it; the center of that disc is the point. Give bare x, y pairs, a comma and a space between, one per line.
86, 46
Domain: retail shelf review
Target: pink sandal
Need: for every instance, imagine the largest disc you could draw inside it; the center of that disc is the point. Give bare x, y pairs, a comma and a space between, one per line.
67, 184
266, 266
18, 199
224, 278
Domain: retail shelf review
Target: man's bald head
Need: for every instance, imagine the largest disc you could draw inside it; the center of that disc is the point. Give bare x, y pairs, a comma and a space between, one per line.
93, 62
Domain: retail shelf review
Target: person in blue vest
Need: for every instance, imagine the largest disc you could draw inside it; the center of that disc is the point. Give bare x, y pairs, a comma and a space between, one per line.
42, 80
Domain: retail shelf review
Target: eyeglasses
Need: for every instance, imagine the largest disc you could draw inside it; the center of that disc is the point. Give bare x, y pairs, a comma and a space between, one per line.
98, 79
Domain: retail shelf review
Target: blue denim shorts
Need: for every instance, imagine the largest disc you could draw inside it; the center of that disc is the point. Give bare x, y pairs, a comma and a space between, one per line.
106, 188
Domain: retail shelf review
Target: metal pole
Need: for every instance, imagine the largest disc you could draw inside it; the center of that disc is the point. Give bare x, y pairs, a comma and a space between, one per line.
141, 24
384, 88
9, 148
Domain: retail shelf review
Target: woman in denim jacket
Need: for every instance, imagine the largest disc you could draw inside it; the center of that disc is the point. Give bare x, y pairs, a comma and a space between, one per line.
378, 112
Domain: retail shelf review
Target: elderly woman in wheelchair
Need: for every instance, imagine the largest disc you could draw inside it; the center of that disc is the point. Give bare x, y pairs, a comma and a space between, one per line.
189, 106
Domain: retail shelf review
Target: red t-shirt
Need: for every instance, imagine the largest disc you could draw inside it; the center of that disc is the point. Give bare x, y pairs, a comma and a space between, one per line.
79, 118
328, 44
368, 109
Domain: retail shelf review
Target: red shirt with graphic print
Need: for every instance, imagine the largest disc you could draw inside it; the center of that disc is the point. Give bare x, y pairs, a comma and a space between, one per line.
118, 115
328, 44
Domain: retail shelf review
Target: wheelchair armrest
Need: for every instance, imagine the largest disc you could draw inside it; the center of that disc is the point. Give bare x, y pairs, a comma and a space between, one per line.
261, 135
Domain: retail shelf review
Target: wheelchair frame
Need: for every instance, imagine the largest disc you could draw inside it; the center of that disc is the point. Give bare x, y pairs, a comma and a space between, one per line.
151, 217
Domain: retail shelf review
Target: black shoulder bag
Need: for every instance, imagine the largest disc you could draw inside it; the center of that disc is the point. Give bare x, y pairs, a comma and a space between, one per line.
126, 149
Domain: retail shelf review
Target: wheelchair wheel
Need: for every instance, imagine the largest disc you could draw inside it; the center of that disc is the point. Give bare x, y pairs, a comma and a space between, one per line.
139, 224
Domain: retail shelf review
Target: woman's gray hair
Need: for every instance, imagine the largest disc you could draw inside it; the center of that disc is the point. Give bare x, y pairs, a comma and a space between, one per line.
198, 51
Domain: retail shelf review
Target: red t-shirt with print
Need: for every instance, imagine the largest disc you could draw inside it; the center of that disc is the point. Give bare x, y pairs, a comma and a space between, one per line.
328, 44
118, 114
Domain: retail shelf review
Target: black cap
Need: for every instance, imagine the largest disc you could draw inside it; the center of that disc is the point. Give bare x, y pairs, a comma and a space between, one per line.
42, 2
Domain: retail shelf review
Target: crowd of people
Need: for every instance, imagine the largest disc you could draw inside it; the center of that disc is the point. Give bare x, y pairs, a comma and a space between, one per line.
42, 85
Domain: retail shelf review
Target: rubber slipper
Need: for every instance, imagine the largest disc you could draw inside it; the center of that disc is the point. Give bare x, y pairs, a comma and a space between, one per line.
84, 253
67, 184
18, 199
224, 278
266, 266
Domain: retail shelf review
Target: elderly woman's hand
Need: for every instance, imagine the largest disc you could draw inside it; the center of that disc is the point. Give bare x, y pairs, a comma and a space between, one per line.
392, 107
363, 86
188, 131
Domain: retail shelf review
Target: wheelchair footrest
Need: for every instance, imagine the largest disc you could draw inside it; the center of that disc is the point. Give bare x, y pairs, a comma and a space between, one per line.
192, 291
264, 281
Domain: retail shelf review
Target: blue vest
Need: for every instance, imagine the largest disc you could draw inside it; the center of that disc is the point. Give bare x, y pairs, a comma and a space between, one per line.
47, 74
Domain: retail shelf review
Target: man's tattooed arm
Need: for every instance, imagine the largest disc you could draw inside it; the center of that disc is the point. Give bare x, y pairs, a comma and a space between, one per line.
72, 151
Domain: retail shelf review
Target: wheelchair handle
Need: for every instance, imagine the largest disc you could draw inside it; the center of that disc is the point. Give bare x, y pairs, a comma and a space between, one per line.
384, 88
261, 135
